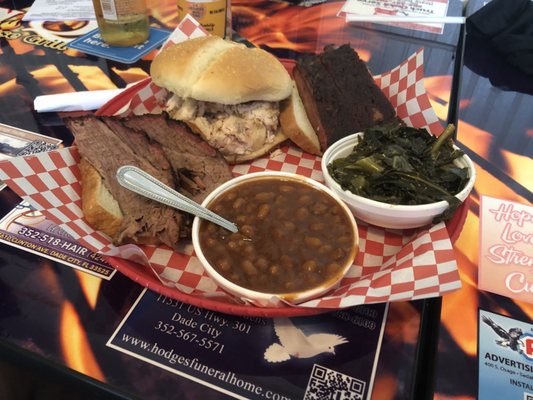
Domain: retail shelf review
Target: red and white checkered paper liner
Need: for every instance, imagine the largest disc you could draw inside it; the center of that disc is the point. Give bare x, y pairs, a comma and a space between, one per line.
391, 265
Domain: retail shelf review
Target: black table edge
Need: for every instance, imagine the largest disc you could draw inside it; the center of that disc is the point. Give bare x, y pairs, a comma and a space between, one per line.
57, 373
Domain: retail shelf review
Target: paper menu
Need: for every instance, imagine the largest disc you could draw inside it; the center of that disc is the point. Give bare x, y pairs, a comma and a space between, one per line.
420, 15
60, 10
506, 248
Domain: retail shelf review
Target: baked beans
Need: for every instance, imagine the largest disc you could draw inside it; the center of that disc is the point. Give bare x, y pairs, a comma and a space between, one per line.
292, 236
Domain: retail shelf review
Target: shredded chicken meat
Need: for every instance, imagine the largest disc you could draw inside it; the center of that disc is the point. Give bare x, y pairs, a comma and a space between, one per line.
232, 129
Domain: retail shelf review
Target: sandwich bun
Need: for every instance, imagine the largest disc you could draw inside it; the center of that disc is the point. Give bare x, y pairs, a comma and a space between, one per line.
215, 70
296, 125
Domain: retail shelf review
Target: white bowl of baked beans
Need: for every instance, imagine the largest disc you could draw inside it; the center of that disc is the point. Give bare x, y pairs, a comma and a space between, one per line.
296, 238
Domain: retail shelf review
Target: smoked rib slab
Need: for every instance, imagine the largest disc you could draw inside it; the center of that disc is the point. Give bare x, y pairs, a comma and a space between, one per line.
339, 94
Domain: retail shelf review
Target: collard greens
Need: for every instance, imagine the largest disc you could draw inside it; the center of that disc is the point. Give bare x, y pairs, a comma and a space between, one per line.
396, 164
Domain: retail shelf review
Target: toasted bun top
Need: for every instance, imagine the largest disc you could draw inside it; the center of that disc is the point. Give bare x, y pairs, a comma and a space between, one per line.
216, 70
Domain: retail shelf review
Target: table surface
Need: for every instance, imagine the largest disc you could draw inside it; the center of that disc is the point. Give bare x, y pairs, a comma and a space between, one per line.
61, 317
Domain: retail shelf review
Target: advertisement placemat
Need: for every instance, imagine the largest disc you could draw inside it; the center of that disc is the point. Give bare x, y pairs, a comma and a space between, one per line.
331, 356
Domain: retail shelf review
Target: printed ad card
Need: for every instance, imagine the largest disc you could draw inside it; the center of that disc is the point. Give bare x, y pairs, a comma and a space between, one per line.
505, 358
29, 230
506, 250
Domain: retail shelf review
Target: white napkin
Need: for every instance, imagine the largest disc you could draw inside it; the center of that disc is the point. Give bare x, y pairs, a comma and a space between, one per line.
75, 101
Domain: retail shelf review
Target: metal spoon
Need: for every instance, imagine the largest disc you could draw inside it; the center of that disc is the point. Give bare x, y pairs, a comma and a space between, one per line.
140, 182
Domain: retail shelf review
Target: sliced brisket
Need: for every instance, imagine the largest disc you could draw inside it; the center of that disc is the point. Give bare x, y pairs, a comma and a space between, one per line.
141, 145
108, 143
199, 167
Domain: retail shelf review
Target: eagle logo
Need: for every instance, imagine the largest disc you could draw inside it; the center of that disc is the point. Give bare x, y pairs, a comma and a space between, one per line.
510, 339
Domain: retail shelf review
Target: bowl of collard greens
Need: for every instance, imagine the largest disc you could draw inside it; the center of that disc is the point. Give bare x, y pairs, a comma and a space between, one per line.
394, 176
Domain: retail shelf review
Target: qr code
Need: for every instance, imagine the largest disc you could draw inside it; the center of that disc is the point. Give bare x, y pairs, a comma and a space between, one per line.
327, 384
528, 396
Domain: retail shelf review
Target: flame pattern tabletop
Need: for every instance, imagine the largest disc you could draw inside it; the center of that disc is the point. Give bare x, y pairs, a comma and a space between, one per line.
61, 312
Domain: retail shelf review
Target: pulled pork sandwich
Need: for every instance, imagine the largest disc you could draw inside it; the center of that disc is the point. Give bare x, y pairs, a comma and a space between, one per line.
227, 93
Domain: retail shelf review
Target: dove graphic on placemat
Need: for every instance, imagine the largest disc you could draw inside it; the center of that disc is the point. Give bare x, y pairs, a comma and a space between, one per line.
295, 343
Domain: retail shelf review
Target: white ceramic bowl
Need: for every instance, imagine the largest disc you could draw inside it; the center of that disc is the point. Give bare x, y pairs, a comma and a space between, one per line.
271, 299
383, 214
